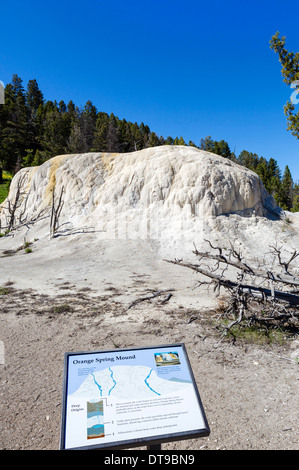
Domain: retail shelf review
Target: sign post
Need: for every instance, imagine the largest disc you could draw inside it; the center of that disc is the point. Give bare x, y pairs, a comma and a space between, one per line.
125, 398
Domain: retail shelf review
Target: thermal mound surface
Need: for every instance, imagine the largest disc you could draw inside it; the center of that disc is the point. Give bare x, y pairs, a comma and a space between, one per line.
118, 213
155, 192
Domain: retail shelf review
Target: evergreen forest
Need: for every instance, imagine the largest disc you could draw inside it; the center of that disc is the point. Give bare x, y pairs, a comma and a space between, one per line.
32, 130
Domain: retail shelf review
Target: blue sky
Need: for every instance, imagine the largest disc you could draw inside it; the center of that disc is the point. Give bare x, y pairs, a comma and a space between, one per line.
185, 68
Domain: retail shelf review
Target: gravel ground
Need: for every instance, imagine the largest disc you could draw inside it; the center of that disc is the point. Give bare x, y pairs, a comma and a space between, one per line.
249, 392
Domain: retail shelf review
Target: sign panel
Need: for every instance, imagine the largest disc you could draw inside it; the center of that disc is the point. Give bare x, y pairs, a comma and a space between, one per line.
130, 397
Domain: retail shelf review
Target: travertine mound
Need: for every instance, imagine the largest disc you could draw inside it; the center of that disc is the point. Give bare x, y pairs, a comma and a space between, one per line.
146, 194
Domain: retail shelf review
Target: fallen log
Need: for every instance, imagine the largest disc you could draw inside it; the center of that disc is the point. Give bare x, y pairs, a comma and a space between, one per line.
269, 275
256, 291
256, 295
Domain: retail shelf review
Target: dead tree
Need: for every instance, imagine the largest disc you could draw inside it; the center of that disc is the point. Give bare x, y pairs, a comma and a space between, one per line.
55, 212
15, 210
12, 206
266, 297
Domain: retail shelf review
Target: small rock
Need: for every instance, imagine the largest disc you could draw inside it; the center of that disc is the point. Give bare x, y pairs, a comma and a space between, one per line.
295, 355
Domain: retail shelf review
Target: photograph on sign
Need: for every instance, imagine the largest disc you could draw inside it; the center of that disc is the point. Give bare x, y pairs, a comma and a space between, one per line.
125, 397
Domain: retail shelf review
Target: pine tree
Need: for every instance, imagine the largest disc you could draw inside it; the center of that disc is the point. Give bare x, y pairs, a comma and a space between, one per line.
87, 121
295, 198
262, 171
56, 130
72, 112
273, 184
3, 124
145, 135
17, 87
181, 141
295, 207
248, 159
34, 104
126, 131
74, 141
137, 137
28, 158
286, 190
222, 148
38, 159
113, 135
153, 140
34, 97
14, 126
169, 141
290, 73
100, 135
207, 144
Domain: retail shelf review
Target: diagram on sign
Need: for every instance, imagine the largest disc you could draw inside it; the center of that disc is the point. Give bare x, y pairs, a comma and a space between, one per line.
95, 419
127, 382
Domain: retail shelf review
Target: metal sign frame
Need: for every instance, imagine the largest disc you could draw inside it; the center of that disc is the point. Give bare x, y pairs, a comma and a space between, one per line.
151, 441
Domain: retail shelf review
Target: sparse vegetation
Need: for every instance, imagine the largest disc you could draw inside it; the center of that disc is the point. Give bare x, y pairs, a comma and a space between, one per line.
24, 247
4, 185
5, 290
253, 333
63, 308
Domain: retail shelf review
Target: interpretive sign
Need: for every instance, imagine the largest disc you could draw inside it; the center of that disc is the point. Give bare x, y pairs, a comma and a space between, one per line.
130, 397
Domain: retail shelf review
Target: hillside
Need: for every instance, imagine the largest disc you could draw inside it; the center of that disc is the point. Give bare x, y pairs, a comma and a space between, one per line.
169, 188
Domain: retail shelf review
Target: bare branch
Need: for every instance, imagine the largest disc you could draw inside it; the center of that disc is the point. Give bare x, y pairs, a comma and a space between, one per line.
285, 264
55, 212
154, 295
271, 294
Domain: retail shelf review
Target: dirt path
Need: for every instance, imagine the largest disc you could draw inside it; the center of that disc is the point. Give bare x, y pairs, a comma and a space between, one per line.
249, 393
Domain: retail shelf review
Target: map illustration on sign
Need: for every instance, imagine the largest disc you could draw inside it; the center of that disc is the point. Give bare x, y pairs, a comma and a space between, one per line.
114, 397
